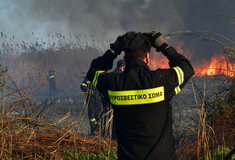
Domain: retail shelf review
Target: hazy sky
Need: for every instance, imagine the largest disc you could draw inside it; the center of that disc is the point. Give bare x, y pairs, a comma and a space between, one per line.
110, 18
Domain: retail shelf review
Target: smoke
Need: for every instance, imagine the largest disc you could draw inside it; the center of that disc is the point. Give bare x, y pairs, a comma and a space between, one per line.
102, 18
111, 18
107, 19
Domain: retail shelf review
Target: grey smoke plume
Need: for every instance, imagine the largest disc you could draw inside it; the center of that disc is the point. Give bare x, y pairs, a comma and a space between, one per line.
109, 18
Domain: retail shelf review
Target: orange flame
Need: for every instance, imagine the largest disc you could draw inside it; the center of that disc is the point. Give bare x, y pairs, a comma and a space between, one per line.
217, 65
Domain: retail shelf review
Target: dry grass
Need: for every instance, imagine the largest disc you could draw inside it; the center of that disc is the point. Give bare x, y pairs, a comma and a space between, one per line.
19, 140
214, 128
25, 136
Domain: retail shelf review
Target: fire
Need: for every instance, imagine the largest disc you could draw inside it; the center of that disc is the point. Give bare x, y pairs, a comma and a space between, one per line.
158, 61
217, 65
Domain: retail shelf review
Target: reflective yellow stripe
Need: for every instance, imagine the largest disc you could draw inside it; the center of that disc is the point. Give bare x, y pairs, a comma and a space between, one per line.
180, 75
93, 120
88, 82
51, 76
177, 90
83, 84
135, 97
95, 80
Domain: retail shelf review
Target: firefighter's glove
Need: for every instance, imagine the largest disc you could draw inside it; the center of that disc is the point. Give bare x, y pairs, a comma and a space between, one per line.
157, 40
117, 46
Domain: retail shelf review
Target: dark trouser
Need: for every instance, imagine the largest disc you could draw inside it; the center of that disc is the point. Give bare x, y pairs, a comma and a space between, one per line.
52, 87
94, 113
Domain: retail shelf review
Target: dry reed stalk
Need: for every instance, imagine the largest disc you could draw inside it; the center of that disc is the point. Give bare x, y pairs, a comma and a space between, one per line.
49, 140
84, 109
21, 139
200, 33
211, 132
203, 135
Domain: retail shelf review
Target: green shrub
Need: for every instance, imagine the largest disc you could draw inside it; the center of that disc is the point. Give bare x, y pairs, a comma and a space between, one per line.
72, 155
220, 153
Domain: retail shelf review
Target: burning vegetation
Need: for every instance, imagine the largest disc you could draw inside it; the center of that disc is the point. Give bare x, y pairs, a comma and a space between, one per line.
218, 64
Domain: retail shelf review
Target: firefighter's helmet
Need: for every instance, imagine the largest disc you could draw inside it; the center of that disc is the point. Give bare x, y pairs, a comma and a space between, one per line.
120, 63
51, 71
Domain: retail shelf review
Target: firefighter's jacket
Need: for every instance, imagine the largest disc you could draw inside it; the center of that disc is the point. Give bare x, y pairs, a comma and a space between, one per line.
140, 98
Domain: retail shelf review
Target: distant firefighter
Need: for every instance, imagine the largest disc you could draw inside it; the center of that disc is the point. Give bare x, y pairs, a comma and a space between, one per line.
52, 82
120, 66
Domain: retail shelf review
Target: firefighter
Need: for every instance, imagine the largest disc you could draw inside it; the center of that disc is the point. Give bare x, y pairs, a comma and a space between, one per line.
120, 66
95, 105
139, 96
52, 82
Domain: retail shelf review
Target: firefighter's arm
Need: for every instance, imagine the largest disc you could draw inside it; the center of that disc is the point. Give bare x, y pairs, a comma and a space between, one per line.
101, 64
180, 68
105, 62
179, 63
175, 59
97, 73
179, 73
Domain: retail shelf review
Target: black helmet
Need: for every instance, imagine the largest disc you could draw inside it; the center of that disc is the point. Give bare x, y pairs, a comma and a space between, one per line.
51, 71
135, 40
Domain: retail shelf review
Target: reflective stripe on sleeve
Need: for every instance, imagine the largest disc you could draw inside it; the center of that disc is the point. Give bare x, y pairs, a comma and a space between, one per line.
180, 75
135, 97
95, 80
93, 120
51, 76
177, 90
84, 84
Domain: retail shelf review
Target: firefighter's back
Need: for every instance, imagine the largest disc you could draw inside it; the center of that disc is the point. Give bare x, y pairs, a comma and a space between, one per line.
144, 130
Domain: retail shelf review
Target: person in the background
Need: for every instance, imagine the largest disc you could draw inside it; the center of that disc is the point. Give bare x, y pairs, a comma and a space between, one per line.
120, 66
52, 82
95, 105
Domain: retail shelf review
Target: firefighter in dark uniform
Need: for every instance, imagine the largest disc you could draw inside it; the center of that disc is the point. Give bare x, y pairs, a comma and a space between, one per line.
120, 66
52, 82
95, 104
139, 96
